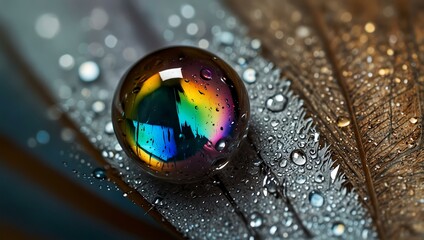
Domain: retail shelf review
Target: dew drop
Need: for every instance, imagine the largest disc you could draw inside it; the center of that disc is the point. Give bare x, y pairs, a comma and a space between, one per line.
88, 71
249, 75
226, 38
298, 157
301, 179
413, 120
66, 62
109, 128
338, 228
220, 145
316, 199
42, 137
255, 220
343, 122
273, 230
98, 106
319, 178
206, 74
47, 26
276, 103
99, 173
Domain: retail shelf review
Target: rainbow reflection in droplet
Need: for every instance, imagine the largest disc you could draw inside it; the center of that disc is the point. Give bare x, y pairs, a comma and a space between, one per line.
179, 112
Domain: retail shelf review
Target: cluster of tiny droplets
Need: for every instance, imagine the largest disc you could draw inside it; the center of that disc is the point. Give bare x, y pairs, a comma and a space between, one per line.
283, 183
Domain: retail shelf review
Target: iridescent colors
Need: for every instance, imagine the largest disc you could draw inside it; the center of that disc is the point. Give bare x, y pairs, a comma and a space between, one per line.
180, 112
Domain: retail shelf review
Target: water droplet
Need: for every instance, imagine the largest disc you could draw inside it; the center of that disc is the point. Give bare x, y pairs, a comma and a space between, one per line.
226, 38
98, 106
249, 75
99, 173
220, 145
111, 41
319, 178
109, 128
301, 179
206, 74
47, 26
255, 43
276, 103
343, 122
187, 11
273, 230
283, 163
42, 137
316, 199
298, 157
338, 228
66, 62
88, 71
413, 120
255, 220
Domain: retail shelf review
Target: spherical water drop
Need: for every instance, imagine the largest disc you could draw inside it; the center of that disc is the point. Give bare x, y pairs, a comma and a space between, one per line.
88, 71
298, 157
276, 103
249, 75
43, 137
338, 229
316, 199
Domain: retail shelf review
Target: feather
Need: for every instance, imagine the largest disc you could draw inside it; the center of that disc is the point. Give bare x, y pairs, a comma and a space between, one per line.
358, 66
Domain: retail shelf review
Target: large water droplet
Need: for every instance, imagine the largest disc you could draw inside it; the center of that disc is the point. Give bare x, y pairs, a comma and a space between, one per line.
255, 220
276, 103
316, 199
338, 228
298, 157
249, 75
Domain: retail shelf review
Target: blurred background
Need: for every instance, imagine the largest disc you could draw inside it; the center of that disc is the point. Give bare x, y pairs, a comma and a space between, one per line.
49, 51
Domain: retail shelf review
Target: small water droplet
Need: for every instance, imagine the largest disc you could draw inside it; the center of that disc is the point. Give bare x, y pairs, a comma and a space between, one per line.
343, 122
298, 157
42, 137
158, 201
220, 145
206, 74
316, 199
338, 228
99, 173
413, 120
255, 220
136, 90
88, 71
276, 103
301, 179
109, 128
273, 230
249, 75
226, 38
181, 136
98, 106
319, 178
